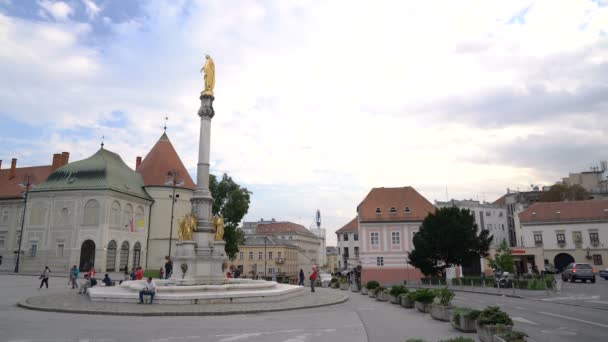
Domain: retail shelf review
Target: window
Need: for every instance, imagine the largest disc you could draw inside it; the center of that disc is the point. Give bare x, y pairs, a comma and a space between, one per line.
279, 255
594, 238
395, 238
345, 236
378, 211
33, 249
60, 250
597, 259
538, 239
408, 210
489, 226
240, 255
115, 214
503, 227
250, 255
0, 259
278, 270
346, 252
356, 236
270, 270
393, 210
2, 241
5, 216
356, 252
375, 238
338, 237
270, 255
488, 213
91, 213
561, 238
260, 256
338, 251
289, 237
500, 214
379, 261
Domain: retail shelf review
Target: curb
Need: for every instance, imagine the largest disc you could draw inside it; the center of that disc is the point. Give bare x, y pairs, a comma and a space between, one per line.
23, 304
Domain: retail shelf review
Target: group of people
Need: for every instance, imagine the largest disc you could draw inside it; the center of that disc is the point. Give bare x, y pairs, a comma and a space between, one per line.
313, 278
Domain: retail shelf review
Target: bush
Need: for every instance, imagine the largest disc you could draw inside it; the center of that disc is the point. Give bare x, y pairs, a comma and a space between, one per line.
426, 296
492, 315
151, 273
459, 339
397, 290
468, 313
333, 280
411, 296
343, 280
445, 296
514, 336
379, 290
372, 284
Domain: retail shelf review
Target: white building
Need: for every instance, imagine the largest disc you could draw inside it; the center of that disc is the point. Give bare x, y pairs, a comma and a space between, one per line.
490, 217
565, 232
348, 245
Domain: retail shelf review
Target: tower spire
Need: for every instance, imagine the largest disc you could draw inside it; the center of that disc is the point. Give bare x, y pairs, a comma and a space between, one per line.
102, 137
165, 128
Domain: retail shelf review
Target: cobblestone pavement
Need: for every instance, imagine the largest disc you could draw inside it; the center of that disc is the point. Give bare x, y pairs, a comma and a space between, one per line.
70, 302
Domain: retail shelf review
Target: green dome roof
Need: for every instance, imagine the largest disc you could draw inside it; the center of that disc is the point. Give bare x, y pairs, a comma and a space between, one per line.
104, 170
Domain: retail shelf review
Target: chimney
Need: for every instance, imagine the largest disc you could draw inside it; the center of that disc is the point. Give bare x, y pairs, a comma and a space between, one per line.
56, 161
13, 167
65, 158
137, 162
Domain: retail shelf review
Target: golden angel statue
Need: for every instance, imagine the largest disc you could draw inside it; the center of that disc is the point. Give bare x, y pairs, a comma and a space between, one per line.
187, 226
209, 69
218, 226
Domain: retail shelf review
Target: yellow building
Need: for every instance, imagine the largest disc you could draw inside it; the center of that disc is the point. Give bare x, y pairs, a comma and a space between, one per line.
332, 260
262, 255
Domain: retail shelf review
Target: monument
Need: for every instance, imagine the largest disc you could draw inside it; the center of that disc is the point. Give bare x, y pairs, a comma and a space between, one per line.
198, 276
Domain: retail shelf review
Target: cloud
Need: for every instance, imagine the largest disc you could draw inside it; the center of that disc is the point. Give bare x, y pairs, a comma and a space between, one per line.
92, 8
58, 9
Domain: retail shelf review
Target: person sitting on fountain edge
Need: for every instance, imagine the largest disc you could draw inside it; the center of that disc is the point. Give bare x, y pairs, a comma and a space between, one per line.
148, 290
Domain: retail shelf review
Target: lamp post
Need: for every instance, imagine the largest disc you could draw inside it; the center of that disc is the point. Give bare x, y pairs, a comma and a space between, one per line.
173, 182
27, 188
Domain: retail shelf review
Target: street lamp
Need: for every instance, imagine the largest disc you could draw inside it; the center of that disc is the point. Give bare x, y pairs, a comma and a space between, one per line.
27, 188
173, 181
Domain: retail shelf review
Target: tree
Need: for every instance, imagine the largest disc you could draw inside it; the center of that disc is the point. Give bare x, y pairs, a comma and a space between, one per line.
562, 192
503, 260
447, 238
232, 201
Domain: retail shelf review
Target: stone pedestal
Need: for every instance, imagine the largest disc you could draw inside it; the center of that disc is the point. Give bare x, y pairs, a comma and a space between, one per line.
184, 263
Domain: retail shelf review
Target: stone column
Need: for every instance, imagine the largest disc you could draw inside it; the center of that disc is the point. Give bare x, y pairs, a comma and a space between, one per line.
201, 199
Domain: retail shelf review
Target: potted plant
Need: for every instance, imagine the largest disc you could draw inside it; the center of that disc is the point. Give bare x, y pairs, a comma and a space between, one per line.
381, 294
492, 321
364, 289
408, 299
395, 292
343, 283
463, 319
512, 336
333, 283
424, 299
442, 311
371, 288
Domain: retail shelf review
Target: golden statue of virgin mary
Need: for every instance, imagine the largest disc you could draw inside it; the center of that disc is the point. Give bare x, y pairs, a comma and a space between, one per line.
209, 69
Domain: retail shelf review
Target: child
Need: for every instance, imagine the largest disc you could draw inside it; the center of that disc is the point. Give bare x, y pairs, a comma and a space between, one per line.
161, 273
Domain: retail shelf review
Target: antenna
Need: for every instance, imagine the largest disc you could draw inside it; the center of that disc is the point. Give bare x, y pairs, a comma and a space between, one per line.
165, 127
102, 137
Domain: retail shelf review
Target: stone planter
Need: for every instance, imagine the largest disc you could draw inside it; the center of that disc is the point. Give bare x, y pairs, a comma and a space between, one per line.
354, 288
463, 324
499, 338
371, 293
486, 332
393, 299
335, 285
344, 286
423, 307
406, 302
441, 313
364, 290
382, 296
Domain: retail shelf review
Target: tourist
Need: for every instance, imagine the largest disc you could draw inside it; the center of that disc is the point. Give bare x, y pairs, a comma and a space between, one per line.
160, 274
228, 275
168, 267
313, 279
74, 272
148, 290
132, 275
106, 280
301, 281
139, 274
90, 282
45, 277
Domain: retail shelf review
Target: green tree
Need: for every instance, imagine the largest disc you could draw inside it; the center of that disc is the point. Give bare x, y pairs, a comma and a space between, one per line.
232, 201
562, 192
447, 238
503, 259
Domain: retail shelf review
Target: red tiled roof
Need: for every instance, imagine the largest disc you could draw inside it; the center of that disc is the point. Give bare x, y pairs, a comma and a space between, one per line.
398, 198
351, 226
574, 211
10, 188
162, 158
281, 228
502, 201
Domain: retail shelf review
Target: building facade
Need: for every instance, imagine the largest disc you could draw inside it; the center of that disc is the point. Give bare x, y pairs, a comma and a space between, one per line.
348, 245
332, 259
388, 219
262, 255
566, 232
515, 203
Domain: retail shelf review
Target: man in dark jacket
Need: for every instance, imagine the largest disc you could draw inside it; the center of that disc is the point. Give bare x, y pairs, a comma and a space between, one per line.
168, 267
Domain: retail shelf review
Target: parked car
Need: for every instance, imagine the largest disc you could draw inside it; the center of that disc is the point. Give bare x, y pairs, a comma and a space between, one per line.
604, 274
580, 271
550, 269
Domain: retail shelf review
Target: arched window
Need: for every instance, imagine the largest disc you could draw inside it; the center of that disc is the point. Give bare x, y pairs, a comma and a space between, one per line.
124, 256
91, 213
128, 218
115, 214
111, 257
140, 223
136, 254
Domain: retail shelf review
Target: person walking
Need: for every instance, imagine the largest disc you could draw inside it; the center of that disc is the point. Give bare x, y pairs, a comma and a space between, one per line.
301, 280
313, 279
45, 277
74, 272
168, 267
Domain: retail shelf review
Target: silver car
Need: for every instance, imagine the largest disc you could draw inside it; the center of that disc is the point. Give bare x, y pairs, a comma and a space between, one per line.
580, 271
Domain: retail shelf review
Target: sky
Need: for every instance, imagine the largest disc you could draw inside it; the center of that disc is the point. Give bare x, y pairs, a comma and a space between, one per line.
316, 102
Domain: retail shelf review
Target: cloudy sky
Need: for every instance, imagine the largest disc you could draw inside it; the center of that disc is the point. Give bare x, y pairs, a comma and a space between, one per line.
316, 101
